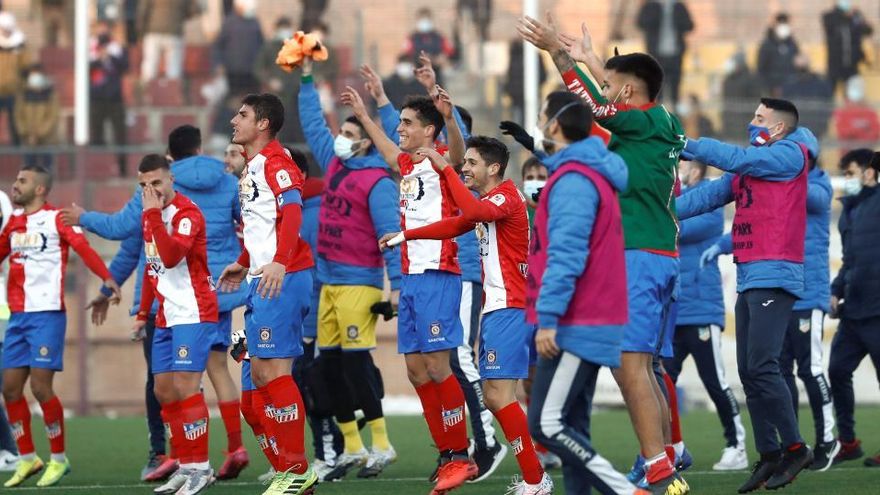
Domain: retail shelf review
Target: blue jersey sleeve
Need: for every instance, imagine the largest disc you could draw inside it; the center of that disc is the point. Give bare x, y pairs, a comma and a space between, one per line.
702, 227
704, 199
385, 212
314, 125
780, 161
126, 260
115, 226
390, 118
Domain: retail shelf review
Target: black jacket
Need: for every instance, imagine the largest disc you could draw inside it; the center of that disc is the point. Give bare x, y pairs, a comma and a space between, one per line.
858, 281
651, 17
776, 61
843, 38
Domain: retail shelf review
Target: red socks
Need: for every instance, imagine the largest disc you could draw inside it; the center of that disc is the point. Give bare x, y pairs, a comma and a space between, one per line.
53, 417
433, 414
673, 408
289, 414
670, 453
516, 430
452, 402
230, 412
20, 424
253, 407
173, 428
194, 413
658, 468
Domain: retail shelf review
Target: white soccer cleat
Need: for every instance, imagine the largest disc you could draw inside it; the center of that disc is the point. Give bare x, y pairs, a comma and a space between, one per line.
732, 459
345, 462
8, 461
198, 480
265, 477
174, 483
377, 461
322, 468
545, 487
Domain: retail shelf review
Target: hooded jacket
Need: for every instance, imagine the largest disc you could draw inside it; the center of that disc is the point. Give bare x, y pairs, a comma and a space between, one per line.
202, 179
858, 281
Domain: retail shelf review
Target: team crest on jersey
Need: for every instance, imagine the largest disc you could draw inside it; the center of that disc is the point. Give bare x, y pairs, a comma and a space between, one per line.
453, 417
491, 356
704, 334
497, 199
23, 243
53, 430
412, 189
183, 352
44, 351
804, 325
517, 445
435, 328
247, 190
184, 227
195, 429
352, 331
17, 429
265, 334
286, 414
283, 179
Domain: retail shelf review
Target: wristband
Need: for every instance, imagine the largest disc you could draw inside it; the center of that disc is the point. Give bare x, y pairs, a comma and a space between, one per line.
398, 239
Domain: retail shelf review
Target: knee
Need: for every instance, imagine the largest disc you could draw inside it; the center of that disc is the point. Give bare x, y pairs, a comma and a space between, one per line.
41, 389
165, 394
12, 392
438, 369
417, 377
494, 400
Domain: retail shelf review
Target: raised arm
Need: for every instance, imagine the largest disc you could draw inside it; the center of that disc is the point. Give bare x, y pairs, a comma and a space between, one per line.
454, 136
704, 199
314, 124
389, 151
114, 226
779, 161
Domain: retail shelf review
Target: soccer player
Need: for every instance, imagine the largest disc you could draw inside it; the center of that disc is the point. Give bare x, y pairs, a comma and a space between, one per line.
203, 180
487, 452
359, 206
277, 262
768, 181
177, 276
429, 326
576, 257
502, 227
700, 318
37, 243
649, 139
855, 293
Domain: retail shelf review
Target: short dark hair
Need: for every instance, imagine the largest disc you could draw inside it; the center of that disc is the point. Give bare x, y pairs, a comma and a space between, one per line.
783, 106
782, 17
153, 162
184, 142
491, 150
423, 11
43, 172
875, 162
862, 156
283, 21
466, 118
426, 112
354, 120
641, 66
267, 106
530, 163
300, 159
576, 120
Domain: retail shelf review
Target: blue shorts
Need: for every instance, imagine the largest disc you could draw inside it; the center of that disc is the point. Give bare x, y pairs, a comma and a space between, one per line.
246, 382
310, 324
428, 315
533, 349
35, 340
222, 332
650, 284
182, 347
504, 345
274, 327
671, 314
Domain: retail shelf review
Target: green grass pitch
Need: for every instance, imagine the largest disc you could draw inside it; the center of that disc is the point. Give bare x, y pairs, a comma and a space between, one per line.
107, 455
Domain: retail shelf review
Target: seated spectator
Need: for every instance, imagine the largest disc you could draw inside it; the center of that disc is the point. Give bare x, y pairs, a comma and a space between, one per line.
856, 122
37, 114
811, 93
776, 55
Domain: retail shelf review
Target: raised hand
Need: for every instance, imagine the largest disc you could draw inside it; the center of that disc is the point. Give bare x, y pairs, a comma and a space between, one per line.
543, 35
578, 49
373, 85
425, 74
518, 133
442, 101
351, 98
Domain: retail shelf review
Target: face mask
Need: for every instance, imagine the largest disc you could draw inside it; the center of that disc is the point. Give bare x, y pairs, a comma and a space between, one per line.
783, 31
532, 187
619, 95
36, 80
683, 109
344, 147
283, 34
538, 133
852, 186
404, 71
424, 25
758, 135
855, 89
843, 5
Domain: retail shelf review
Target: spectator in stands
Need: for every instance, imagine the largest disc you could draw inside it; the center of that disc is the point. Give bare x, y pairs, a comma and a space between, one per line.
312, 10
812, 94
237, 47
480, 13
108, 64
402, 83
695, 122
776, 55
130, 17
284, 84
513, 85
56, 19
160, 24
13, 60
845, 29
739, 89
856, 122
37, 113
426, 38
664, 23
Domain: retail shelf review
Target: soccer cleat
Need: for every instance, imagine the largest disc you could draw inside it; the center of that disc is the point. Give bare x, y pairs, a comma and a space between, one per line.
544, 487
290, 483
54, 472
376, 462
793, 462
549, 460
234, 464
683, 461
345, 462
267, 476
153, 462
732, 459
433, 476
873, 461
487, 460
671, 485
637, 473
761, 472
823, 455
198, 480
8, 461
165, 469
455, 473
321, 469
174, 483
26, 468
849, 451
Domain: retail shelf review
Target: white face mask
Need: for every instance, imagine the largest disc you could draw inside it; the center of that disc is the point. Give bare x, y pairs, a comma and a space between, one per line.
404, 71
345, 148
783, 31
283, 33
852, 186
36, 80
855, 89
425, 25
531, 188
